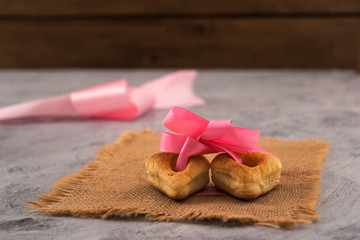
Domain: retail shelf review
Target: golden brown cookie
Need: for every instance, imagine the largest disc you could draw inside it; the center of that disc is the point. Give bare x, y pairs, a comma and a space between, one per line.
177, 185
259, 173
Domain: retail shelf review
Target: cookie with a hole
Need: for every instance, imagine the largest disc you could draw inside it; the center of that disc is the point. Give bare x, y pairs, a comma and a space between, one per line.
258, 174
178, 185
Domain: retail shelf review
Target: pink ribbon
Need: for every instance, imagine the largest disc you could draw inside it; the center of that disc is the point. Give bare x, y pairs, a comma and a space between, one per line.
196, 135
115, 100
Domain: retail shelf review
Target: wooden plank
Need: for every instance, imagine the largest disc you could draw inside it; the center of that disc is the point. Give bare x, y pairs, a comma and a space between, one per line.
12, 8
203, 43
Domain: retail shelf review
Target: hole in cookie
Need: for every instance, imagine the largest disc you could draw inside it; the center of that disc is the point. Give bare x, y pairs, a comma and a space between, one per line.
173, 165
172, 162
250, 160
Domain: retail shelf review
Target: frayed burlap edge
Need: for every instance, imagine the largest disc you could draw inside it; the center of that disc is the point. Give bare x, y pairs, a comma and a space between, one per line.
304, 212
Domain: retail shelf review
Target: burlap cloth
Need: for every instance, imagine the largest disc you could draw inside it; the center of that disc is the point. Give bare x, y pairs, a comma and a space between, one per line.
115, 185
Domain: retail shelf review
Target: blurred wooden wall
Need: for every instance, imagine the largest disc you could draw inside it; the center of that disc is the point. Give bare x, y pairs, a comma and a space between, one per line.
180, 34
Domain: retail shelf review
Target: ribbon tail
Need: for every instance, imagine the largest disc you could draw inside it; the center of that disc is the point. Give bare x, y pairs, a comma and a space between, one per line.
210, 191
231, 153
234, 156
181, 162
191, 147
184, 155
53, 106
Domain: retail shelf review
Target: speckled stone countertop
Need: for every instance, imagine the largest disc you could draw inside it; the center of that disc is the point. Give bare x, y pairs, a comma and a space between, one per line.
35, 153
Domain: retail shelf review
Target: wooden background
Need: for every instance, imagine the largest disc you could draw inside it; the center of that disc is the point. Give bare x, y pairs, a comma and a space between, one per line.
180, 34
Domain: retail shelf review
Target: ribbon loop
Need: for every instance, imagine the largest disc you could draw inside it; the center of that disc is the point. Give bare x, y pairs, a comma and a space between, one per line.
190, 148
196, 135
215, 129
184, 122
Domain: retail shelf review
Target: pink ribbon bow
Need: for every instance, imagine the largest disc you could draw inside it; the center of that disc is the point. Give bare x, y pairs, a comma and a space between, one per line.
115, 100
196, 135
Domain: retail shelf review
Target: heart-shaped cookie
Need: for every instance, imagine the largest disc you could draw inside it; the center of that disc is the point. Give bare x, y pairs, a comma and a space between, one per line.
161, 172
259, 173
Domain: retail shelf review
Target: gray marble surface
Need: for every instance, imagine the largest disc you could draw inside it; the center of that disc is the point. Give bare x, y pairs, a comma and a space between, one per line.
35, 153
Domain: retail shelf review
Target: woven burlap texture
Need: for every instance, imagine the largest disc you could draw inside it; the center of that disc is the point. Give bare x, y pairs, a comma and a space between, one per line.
115, 185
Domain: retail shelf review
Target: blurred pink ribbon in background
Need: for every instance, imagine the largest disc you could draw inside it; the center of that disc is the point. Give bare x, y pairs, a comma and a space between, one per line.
196, 135
113, 100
